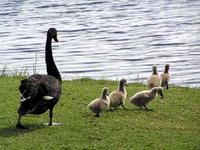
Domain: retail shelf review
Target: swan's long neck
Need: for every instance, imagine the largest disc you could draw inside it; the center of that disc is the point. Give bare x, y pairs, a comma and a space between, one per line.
50, 64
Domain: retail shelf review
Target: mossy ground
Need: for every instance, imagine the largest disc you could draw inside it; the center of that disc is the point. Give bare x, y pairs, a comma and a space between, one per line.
174, 123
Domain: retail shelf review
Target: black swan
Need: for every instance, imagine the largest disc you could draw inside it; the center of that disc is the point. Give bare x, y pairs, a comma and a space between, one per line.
41, 92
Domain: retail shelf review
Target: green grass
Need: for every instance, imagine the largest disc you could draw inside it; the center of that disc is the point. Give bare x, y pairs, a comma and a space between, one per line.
174, 124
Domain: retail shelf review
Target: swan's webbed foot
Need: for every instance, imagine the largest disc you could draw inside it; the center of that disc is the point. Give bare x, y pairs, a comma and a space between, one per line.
19, 126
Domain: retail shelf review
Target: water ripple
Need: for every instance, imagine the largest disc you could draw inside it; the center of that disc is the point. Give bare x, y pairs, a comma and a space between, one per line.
104, 39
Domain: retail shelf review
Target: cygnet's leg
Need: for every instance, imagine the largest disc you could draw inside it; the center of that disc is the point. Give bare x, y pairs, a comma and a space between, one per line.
145, 107
121, 103
19, 125
167, 86
97, 115
123, 106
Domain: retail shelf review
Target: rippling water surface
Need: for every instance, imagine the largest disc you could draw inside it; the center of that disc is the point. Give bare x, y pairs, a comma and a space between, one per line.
104, 39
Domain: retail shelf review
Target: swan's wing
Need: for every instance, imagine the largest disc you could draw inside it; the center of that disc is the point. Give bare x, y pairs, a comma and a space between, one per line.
52, 86
40, 87
32, 85
29, 82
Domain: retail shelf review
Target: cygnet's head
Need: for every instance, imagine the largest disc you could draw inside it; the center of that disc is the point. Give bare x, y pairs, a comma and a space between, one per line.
123, 82
52, 32
166, 68
154, 69
159, 90
105, 91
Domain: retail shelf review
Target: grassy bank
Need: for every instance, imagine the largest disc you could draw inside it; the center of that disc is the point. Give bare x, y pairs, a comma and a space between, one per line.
173, 123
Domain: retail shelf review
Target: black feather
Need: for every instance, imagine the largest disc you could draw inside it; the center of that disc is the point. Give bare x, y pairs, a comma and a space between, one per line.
35, 87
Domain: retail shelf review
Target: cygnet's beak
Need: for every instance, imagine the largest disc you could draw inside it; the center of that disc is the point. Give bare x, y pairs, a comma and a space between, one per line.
126, 85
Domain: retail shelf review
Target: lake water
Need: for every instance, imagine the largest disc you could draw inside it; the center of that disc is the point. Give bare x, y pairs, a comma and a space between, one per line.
104, 39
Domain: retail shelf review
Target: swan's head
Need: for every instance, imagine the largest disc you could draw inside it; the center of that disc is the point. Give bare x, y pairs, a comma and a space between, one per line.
123, 82
52, 32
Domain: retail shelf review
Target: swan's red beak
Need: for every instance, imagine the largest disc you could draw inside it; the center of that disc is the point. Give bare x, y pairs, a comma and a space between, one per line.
55, 39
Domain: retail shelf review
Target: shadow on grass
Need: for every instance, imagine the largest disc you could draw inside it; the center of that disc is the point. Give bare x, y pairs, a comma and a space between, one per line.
135, 110
121, 111
13, 131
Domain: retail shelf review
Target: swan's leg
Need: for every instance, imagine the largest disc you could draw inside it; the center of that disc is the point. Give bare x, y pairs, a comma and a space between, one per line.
18, 122
19, 125
50, 116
